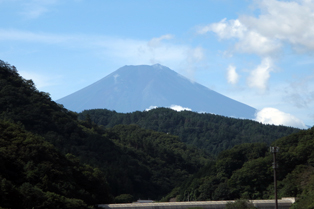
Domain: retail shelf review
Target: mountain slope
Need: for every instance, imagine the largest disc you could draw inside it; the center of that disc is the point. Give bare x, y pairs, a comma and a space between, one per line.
33, 174
132, 88
213, 133
245, 171
128, 167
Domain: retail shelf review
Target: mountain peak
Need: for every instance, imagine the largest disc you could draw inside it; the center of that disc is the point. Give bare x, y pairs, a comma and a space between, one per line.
132, 88
158, 66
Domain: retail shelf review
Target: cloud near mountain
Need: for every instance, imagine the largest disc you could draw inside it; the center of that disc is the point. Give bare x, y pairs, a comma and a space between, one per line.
279, 25
144, 87
276, 117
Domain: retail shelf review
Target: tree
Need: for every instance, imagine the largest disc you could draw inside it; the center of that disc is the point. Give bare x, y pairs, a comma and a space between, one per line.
124, 198
240, 204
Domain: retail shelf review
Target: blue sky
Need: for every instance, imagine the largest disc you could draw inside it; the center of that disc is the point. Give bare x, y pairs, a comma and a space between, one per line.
259, 52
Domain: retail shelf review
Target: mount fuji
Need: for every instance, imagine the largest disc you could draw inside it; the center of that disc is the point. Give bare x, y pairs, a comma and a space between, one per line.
136, 88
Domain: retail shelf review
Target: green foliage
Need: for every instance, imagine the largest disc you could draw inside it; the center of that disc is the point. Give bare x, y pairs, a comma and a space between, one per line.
50, 159
250, 180
240, 204
305, 201
124, 198
296, 158
36, 174
128, 166
160, 161
245, 171
223, 178
212, 133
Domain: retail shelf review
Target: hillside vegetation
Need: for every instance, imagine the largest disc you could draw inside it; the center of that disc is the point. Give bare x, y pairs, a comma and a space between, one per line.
34, 174
212, 133
245, 171
51, 159
128, 168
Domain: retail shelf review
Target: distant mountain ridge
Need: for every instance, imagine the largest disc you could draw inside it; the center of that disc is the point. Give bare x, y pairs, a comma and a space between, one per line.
213, 133
136, 88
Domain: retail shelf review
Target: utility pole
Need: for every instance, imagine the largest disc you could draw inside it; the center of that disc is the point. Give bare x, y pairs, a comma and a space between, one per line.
274, 150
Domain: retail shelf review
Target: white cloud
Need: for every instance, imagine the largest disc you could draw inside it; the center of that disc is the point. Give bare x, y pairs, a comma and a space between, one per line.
179, 108
300, 92
279, 25
36, 8
249, 41
155, 42
285, 21
232, 75
25, 36
151, 108
139, 52
280, 22
127, 51
40, 81
255, 43
194, 56
258, 77
224, 29
274, 116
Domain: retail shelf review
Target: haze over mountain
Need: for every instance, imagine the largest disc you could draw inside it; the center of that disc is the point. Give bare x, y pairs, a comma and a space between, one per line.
136, 88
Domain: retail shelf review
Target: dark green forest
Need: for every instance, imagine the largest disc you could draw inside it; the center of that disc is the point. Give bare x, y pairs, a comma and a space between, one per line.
51, 157
125, 167
245, 172
34, 173
210, 132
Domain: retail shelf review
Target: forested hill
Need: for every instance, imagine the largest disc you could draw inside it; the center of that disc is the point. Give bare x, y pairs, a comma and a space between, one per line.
33, 174
245, 171
49, 156
213, 133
